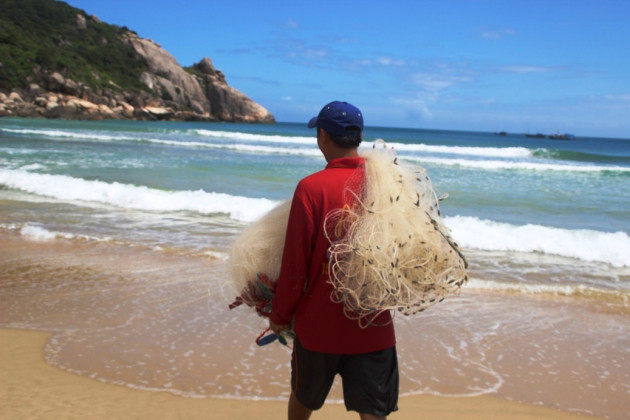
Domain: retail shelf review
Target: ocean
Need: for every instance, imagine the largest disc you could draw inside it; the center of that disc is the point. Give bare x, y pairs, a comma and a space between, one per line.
136, 220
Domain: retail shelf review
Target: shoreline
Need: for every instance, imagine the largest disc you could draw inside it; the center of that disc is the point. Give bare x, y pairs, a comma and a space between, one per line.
152, 321
31, 388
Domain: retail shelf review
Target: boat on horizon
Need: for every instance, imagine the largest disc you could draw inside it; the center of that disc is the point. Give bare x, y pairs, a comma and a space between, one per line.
537, 135
562, 137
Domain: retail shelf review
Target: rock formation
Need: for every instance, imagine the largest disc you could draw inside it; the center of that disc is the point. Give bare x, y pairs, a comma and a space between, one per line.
172, 92
226, 102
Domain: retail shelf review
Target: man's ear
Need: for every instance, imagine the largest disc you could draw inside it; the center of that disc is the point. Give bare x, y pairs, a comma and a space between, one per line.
325, 136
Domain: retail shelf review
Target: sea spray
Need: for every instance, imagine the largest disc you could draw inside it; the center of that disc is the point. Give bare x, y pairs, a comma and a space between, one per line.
63, 187
608, 247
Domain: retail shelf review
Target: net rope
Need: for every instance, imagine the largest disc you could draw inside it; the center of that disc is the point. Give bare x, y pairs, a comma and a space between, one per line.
396, 254
389, 250
255, 259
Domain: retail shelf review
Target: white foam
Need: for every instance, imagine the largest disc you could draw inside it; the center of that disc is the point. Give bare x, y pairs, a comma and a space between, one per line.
32, 167
216, 139
136, 197
40, 234
504, 152
501, 152
543, 288
583, 244
516, 165
309, 140
85, 135
240, 147
244, 138
487, 158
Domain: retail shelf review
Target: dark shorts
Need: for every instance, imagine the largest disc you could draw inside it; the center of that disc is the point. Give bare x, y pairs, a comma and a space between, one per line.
370, 380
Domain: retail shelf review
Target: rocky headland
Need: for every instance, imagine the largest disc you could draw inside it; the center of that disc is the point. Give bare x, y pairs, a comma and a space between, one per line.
166, 90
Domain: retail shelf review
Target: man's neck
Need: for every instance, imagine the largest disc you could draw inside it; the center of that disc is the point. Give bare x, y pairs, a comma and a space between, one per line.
339, 152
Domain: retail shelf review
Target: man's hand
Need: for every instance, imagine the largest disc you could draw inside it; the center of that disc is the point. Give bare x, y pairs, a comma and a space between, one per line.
277, 328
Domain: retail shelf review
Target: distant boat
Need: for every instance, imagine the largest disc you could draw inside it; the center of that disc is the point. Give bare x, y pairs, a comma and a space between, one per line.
500, 133
537, 135
562, 137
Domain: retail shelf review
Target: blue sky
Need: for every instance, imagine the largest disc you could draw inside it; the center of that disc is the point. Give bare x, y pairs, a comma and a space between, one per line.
484, 65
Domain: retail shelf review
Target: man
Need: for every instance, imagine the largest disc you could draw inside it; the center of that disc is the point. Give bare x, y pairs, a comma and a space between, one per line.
326, 341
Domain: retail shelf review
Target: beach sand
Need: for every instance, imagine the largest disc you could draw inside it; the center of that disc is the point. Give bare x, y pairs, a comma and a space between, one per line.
98, 331
32, 389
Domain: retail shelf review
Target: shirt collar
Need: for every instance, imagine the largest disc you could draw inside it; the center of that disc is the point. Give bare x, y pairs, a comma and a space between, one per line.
348, 162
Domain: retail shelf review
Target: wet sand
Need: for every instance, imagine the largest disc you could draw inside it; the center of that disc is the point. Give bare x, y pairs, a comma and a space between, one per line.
96, 331
32, 389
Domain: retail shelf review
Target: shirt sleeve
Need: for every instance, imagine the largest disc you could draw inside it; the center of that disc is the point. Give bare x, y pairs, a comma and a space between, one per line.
296, 258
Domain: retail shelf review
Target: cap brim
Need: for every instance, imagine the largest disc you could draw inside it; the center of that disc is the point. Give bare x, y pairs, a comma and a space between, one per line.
312, 123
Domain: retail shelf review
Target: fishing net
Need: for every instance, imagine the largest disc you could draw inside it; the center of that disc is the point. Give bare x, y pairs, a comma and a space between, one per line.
255, 259
395, 253
390, 250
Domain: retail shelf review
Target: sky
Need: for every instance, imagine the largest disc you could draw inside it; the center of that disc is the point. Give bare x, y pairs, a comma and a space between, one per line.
521, 66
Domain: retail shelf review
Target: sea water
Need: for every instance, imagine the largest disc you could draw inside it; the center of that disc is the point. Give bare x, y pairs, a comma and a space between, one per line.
544, 224
191, 186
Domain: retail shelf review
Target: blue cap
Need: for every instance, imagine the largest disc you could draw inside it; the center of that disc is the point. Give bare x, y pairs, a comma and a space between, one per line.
339, 118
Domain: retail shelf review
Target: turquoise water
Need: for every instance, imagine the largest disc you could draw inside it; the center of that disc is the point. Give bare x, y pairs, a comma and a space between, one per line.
191, 185
142, 215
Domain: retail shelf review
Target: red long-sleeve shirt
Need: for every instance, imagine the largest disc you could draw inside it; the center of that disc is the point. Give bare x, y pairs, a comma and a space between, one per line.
303, 292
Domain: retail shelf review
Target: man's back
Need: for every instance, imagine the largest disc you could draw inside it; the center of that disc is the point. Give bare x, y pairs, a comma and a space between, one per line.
319, 322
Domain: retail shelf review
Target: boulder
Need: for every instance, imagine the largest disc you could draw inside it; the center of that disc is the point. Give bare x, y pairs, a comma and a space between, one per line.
15, 97
81, 104
105, 110
54, 81
50, 105
34, 88
41, 101
81, 22
159, 112
71, 87
205, 66
126, 108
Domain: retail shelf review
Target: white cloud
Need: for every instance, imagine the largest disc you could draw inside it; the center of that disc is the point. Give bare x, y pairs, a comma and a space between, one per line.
525, 69
623, 97
497, 34
432, 85
363, 62
387, 61
382, 61
315, 53
437, 82
414, 107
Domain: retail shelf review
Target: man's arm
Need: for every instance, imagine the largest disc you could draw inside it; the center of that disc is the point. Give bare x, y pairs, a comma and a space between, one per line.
296, 260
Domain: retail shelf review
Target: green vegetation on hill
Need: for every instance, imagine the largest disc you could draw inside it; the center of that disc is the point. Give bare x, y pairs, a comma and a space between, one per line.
45, 35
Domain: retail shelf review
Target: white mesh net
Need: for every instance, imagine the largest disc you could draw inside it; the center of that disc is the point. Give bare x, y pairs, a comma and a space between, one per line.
389, 251
396, 253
